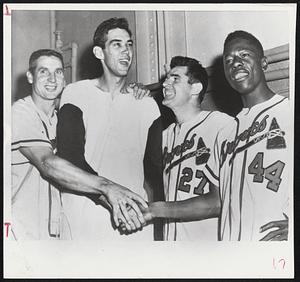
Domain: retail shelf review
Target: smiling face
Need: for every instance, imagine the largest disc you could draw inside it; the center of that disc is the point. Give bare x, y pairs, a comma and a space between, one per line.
176, 88
47, 78
117, 55
243, 65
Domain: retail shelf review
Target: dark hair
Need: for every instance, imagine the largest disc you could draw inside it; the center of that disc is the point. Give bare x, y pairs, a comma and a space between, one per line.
43, 52
240, 34
195, 72
102, 30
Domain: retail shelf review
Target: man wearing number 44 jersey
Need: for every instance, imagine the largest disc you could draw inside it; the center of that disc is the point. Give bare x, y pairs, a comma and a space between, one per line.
248, 165
251, 159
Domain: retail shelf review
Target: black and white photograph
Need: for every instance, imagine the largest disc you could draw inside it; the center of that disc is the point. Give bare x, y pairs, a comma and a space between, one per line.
149, 140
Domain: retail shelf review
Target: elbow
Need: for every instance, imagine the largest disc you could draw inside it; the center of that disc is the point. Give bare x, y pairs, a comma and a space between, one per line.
48, 166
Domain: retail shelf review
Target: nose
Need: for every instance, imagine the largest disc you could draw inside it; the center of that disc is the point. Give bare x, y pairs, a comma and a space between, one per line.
166, 82
237, 62
52, 77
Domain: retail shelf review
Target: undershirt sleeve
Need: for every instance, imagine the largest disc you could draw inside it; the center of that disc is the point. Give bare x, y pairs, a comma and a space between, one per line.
71, 137
153, 159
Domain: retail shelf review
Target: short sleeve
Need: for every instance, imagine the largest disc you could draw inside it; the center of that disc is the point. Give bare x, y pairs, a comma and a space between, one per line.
27, 128
75, 94
213, 165
150, 111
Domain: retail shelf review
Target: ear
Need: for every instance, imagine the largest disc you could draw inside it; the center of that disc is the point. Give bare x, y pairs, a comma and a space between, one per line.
98, 52
196, 88
264, 63
29, 77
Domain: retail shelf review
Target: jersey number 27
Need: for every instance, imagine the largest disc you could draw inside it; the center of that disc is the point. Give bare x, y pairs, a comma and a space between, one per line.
187, 176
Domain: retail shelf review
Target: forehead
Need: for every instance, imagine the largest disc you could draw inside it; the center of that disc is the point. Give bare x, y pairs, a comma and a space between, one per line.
240, 44
48, 62
178, 70
118, 33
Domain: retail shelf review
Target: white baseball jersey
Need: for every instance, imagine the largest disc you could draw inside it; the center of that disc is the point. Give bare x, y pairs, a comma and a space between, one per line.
186, 148
115, 139
251, 164
35, 203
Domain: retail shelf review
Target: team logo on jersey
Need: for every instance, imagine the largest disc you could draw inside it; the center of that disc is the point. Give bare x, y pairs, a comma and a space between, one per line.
201, 154
228, 148
275, 139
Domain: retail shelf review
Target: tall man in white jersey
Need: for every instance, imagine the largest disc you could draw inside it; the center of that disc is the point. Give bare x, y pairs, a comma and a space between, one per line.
105, 132
36, 204
187, 146
251, 159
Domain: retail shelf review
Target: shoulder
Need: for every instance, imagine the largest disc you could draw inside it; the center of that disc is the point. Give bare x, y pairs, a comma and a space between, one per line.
76, 93
221, 119
148, 107
23, 109
169, 130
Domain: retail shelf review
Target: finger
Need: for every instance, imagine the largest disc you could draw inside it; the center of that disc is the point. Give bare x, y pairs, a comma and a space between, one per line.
135, 220
166, 68
268, 237
137, 198
273, 224
126, 216
286, 217
271, 236
140, 93
266, 226
135, 207
115, 212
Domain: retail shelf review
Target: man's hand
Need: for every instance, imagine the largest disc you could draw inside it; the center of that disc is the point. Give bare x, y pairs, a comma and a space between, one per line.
280, 234
138, 90
120, 199
147, 216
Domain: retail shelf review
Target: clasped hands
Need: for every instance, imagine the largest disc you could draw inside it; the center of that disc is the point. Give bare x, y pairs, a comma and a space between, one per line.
135, 222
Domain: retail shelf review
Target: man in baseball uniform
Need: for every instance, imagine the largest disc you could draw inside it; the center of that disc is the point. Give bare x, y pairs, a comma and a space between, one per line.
251, 162
36, 204
105, 132
187, 146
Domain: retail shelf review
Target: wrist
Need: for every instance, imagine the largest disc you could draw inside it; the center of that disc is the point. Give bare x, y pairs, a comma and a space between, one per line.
156, 209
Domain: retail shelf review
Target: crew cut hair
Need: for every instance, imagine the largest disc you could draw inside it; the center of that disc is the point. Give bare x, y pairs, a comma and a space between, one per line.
100, 35
195, 72
241, 34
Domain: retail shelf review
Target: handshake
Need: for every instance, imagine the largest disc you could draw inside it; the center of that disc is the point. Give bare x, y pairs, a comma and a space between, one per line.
134, 220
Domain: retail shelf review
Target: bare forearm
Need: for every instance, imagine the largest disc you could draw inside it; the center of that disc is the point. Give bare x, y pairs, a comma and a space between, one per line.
201, 207
69, 176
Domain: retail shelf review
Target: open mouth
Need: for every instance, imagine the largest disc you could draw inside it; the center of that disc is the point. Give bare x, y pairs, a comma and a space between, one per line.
50, 88
168, 93
240, 75
124, 62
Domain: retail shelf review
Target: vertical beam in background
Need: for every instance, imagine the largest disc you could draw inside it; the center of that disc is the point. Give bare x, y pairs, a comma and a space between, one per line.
175, 34
146, 46
160, 35
52, 29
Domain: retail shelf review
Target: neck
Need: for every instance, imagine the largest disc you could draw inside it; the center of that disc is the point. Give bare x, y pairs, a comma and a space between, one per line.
111, 83
46, 106
259, 95
184, 114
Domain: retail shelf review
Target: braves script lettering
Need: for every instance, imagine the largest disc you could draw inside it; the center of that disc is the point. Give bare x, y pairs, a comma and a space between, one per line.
227, 148
178, 150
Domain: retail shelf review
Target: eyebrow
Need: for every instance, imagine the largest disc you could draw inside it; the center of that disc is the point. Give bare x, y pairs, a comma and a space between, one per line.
119, 40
